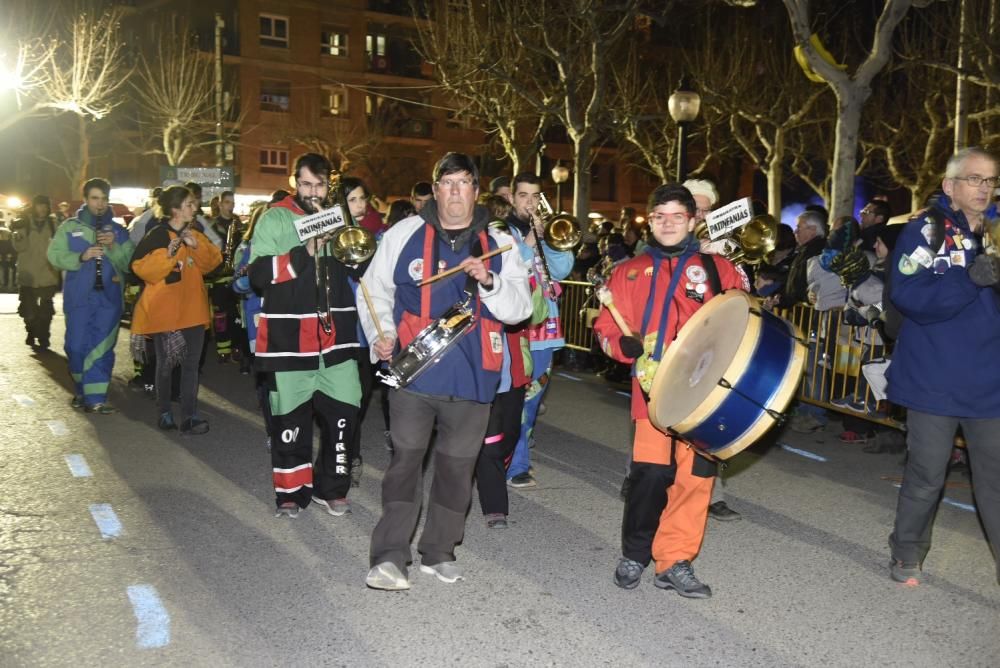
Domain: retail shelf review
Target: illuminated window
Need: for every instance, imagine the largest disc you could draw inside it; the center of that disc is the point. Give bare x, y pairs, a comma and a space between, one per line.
333, 41
333, 102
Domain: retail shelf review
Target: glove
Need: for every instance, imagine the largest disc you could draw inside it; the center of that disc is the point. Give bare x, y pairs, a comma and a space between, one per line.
985, 270
631, 347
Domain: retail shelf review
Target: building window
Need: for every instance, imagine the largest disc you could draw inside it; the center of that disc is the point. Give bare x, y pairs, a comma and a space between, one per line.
373, 103
333, 41
333, 102
274, 160
274, 31
275, 96
375, 44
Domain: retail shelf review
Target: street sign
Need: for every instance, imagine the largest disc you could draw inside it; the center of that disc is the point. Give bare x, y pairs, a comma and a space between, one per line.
213, 180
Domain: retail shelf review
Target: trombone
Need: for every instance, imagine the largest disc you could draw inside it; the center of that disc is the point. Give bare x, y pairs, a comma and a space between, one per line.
560, 231
349, 244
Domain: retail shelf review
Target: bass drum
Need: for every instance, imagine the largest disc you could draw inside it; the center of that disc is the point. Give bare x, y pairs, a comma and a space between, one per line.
725, 380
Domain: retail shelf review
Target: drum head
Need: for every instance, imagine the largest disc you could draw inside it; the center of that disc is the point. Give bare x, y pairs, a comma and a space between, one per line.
698, 358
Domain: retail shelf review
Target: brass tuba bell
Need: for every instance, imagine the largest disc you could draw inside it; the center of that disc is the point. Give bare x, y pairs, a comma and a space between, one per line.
561, 231
756, 240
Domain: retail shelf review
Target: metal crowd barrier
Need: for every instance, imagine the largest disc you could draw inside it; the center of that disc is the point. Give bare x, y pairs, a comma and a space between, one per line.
837, 351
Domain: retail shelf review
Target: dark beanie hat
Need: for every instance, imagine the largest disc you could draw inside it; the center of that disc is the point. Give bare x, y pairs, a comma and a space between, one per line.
42, 199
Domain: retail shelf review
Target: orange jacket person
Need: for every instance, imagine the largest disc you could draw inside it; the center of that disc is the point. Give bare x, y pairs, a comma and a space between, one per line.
669, 484
172, 260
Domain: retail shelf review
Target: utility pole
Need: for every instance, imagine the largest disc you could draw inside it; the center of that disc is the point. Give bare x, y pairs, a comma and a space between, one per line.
219, 111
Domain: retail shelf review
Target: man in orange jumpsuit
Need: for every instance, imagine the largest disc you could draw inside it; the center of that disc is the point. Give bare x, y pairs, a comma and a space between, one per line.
670, 483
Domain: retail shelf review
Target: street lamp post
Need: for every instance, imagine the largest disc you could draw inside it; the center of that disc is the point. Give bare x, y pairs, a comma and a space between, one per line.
683, 106
560, 175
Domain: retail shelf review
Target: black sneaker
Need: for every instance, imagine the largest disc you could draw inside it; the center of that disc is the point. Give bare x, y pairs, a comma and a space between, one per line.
628, 573
496, 521
722, 512
907, 573
522, 480
29, 341
194, 427
680, 577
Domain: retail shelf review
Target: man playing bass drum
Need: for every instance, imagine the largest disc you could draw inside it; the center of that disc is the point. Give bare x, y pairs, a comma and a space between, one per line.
670, 485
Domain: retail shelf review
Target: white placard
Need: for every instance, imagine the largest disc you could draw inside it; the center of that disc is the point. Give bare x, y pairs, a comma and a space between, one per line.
319, 223
724, 220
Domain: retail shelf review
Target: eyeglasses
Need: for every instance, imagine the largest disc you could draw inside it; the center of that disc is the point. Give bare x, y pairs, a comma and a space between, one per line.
309, 185
449, 184
668, 218
975, 180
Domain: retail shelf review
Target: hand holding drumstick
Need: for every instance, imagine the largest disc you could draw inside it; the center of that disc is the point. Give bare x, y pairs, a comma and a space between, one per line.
630, 344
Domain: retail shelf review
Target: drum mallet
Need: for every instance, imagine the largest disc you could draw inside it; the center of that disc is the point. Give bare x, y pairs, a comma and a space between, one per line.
371, 309
455, 270
604, 296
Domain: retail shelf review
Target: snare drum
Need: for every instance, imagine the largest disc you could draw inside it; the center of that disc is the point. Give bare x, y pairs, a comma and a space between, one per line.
726, 378
429, 345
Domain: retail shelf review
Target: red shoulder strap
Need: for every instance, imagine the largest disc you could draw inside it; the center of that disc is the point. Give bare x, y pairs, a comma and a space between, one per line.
425, 291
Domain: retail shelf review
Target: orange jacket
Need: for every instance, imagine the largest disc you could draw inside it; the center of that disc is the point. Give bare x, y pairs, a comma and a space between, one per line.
174, 296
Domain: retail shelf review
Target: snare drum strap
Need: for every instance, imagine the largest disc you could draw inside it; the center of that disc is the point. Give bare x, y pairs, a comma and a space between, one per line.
667, 301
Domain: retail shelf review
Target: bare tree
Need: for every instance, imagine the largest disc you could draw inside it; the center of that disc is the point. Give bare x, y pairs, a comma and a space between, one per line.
575, 40
851, 90
463, 49
757, 88
914, 128
174, 87
638, 104
78, 69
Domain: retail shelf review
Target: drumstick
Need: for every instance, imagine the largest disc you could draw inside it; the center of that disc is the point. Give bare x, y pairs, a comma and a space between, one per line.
604, 296
455, 270
371, 309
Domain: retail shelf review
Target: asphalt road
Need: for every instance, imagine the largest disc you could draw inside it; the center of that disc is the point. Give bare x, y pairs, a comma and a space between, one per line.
168, 553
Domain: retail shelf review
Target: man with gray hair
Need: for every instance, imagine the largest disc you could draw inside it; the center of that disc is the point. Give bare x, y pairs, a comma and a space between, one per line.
810, 235
945, 287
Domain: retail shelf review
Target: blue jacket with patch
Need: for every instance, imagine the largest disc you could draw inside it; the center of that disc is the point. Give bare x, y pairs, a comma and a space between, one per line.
946, 360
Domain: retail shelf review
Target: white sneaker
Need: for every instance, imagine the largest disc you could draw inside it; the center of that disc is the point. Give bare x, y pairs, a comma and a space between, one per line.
336, 507
388, 577
446, 571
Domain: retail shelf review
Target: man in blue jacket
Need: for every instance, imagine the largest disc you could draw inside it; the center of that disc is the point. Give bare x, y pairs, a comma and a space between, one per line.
945, 369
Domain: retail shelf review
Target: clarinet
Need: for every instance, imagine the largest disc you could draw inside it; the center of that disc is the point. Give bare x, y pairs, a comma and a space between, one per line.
99, 267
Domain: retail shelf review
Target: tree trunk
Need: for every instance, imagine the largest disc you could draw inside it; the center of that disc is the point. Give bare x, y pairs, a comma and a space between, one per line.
850, 101
775, 174
581, 178
83, 157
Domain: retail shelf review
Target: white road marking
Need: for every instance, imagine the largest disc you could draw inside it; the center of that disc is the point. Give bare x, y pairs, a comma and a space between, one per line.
106, 520
23, 399
57, 427
78, 466
152, 619
566, 375
803, 453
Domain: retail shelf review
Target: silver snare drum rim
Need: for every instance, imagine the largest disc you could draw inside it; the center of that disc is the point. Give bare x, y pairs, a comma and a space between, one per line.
429, 346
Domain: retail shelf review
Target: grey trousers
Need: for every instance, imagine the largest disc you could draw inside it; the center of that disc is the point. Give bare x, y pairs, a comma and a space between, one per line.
461, 426
929, 442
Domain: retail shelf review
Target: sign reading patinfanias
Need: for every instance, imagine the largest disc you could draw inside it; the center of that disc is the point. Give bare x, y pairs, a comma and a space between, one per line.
724, 220
319, 223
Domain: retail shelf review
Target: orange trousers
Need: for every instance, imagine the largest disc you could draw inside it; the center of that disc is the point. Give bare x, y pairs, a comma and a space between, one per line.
672, 487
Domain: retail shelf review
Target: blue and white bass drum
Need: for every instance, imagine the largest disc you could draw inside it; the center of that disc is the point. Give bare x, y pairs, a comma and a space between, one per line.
727, 377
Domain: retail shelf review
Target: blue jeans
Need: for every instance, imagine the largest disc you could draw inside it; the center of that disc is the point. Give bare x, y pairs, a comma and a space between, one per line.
542, 361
